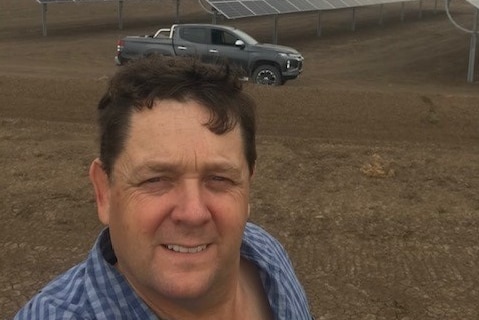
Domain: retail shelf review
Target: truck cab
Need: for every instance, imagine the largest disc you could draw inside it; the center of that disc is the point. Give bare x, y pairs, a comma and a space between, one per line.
262, 63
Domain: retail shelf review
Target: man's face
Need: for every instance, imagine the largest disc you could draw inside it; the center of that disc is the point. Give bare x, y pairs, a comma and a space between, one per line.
177, 202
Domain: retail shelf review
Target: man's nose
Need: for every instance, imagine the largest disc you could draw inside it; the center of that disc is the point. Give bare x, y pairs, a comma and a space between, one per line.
191, 207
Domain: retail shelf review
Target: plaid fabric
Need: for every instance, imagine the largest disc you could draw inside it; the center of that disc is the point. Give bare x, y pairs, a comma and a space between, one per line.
285, 294
94, 289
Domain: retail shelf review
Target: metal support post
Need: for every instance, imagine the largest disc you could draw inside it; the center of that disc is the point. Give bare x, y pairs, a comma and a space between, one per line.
353, 22
215, 16
177, 19
275, 32
318, 28
44, 19
381, 14
472, 51
120, 14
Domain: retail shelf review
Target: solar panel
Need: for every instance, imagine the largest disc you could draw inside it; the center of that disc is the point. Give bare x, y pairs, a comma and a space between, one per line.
322, 4
282, 6
50, 1
304, 5
232, 9
352, 3
260, 7
56, 1
475, 3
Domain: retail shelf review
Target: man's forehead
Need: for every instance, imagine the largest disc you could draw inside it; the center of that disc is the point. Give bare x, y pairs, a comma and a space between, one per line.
168, 115
161, 165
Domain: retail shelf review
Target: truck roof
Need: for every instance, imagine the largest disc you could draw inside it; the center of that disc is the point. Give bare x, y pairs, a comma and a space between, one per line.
205, 25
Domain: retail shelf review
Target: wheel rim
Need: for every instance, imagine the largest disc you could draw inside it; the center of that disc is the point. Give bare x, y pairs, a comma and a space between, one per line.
266, 77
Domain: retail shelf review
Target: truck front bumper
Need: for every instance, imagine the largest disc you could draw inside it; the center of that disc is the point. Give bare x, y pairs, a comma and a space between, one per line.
293, 67
118, 61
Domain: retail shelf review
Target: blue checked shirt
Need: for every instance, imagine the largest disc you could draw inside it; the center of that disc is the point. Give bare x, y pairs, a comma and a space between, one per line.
94, 289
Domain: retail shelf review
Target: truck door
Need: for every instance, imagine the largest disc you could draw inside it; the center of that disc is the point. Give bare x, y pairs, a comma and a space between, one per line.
223, 47
191, 41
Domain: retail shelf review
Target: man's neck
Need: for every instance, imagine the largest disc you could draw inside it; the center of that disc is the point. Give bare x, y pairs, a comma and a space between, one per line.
243, 298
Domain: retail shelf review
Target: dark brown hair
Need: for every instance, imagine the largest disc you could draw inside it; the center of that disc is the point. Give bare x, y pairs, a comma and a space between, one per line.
138, 84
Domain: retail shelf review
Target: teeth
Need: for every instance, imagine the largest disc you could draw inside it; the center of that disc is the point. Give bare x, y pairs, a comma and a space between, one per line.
181, 249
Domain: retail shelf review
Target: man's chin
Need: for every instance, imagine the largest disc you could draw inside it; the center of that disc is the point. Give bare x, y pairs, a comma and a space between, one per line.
184, 285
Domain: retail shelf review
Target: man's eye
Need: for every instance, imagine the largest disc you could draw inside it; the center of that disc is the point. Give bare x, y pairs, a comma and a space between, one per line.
156, 185
220, 182
153, 180
222, 179
219, 178
156, 180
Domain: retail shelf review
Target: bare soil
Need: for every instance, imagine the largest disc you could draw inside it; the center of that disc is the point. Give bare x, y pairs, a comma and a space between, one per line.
368, 166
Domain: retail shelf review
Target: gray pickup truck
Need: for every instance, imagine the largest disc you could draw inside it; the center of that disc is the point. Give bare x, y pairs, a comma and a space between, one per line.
263, 63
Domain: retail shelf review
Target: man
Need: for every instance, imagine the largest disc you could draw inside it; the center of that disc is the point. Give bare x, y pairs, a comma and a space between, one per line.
172, 184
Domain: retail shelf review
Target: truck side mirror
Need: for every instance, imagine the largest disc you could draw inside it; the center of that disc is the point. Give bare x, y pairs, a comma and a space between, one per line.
240, 44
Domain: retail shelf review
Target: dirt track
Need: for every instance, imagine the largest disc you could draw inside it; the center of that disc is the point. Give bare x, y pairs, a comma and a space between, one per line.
368, 164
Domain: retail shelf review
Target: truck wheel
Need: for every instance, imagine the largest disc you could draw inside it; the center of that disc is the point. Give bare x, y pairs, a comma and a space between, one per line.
268, 75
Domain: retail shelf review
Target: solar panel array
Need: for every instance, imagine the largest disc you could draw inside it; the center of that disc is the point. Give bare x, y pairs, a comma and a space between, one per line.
475, 3
233, 9
55, 1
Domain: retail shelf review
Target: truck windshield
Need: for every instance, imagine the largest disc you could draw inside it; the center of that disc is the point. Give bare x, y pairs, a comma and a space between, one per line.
246, 37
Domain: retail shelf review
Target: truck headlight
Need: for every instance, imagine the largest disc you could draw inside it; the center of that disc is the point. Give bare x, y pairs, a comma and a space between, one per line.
291, 59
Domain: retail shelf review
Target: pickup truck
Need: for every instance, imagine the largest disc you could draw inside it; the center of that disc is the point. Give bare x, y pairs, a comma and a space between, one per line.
262, 63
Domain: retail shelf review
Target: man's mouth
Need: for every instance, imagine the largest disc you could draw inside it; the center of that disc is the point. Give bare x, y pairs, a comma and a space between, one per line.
181, 249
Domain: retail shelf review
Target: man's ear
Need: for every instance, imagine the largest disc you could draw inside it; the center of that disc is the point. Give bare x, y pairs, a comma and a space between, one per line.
251, 176
253, 171
101, 184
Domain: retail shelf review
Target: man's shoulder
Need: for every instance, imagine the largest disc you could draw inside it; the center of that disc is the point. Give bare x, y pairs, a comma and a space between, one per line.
260, 246
63, 298
93, 289
257, 237
285, 293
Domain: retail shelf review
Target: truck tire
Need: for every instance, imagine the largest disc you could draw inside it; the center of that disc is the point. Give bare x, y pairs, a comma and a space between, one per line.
267, 75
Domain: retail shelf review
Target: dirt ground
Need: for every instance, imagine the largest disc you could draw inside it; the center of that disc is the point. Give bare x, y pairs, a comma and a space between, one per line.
368, 166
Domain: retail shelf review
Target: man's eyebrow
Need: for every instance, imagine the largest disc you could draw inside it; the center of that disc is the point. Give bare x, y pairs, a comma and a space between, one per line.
226, 168
154, 166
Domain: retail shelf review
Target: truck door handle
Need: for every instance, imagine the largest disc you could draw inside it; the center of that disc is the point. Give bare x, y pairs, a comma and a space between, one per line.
213, 51
181, 47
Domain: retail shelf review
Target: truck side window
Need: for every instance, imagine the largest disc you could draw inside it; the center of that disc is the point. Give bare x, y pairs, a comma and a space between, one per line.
220, 37
196, 35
